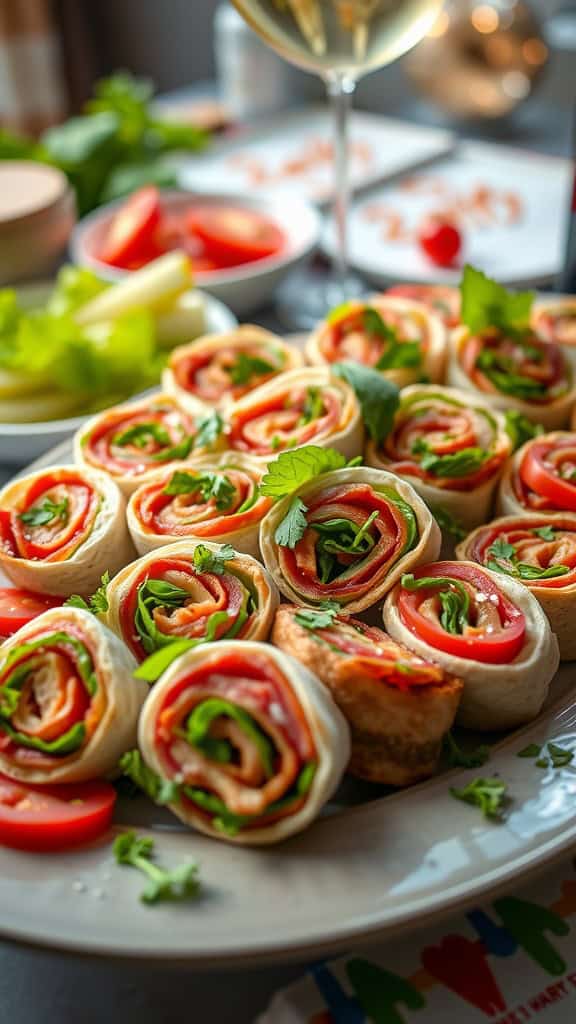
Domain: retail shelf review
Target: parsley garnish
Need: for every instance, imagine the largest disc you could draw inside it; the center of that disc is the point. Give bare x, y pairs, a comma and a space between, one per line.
142, 434
318, 618
378, 397
209, 485
552, 756
520, 429
501, 551
206, 560
490, 795
161, 791
485, 303
458, 758
208, 430
544, 532
43, 514
181, 883
245, 367
292, 469
98, 603
292, 528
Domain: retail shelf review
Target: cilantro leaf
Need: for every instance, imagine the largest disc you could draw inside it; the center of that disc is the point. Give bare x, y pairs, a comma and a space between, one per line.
245, 367
502, 549
490, 795
458, 758
161, 791
98, 603
141, 434
208, 430
293, 526
318, 618
209, 485
488, 304
206, 560
41, 515
448, 524
532, 750
544, 532
379, 398
458, 464
292, 469
181, 883
520, 429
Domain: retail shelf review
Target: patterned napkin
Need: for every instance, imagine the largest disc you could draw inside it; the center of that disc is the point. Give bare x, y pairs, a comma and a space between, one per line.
510, 961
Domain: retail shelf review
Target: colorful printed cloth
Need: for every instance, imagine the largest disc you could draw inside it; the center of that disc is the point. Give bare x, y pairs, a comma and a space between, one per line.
508, 962
32, 94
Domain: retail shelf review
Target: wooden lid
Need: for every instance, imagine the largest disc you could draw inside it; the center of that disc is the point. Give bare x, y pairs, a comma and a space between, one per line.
28, 188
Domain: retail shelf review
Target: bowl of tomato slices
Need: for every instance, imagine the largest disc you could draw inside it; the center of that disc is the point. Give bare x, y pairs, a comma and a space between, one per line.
241, 246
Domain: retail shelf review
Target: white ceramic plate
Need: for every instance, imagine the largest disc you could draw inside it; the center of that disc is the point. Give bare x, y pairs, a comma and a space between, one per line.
291, 155
371, 866
243, 288
523, 251
21, 442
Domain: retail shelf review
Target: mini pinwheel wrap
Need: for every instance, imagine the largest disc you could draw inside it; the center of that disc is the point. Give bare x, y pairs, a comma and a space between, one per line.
131, 442
214, 371
555, 320
541, 477
347, 537
61, 529
213, 497
539, 550
301, 407
191, 592
450, 446
251, 741
69, 704
398, 705
517, 371
402, 339
486, 629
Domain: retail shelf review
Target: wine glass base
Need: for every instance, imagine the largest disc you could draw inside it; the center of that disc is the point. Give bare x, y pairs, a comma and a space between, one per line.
308, 295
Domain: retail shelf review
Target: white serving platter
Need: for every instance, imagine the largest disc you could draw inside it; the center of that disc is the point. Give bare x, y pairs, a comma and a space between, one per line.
371, 866
524, 250
292, 154
22, 442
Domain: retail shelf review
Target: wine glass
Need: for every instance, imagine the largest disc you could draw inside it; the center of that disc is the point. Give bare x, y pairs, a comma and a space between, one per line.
340, 40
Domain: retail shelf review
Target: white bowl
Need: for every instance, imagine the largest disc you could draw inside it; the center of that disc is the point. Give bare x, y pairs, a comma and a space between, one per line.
23, 442
243, 289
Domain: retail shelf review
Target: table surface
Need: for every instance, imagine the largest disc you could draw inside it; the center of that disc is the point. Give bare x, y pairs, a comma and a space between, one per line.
44, 987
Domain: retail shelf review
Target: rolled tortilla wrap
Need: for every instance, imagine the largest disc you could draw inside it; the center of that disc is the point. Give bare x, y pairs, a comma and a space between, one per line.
398, 705
451, 448
362, 528
182, 593
485, 628
69, 704
539, 550
218, 369
402, 339
61, 529
250, 737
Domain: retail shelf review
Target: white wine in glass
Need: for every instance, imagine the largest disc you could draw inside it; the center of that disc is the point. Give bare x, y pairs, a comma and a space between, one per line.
341, 40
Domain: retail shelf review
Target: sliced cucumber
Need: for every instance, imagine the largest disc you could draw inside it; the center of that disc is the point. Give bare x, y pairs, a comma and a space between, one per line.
155, 287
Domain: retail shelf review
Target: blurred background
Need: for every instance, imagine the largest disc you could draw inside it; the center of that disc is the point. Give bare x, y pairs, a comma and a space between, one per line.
52, 51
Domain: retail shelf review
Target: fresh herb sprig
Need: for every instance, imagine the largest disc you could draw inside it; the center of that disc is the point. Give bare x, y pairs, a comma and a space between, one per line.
179, 884
489, 795
97, 604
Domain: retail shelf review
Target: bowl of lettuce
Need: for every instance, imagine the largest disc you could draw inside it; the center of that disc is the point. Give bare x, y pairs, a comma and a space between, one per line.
76, 345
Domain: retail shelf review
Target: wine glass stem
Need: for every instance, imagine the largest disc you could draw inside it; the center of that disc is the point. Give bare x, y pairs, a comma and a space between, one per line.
341, 88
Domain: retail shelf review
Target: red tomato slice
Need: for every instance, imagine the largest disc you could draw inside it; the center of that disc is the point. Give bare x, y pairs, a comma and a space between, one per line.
232, 235
19, 607
440, 240
131, 234
44, 818
537, 473
498, 648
